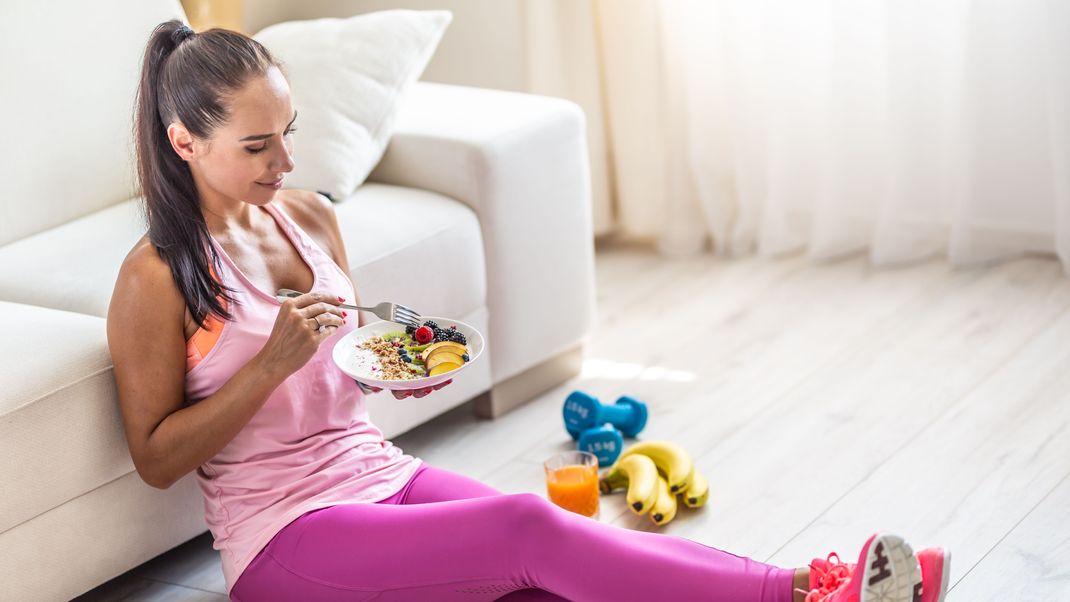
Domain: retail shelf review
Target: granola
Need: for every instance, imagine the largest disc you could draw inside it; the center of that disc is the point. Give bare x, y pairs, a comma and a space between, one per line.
391, 366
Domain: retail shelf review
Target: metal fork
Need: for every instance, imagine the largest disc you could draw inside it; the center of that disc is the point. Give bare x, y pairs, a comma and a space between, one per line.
392, 312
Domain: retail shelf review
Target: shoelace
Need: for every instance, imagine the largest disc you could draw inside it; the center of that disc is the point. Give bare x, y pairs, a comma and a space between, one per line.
828, 581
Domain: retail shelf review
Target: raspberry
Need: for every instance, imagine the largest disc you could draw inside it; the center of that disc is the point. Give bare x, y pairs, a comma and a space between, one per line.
424, 335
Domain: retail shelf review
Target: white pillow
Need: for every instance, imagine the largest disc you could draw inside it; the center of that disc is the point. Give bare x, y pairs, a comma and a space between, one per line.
347, 77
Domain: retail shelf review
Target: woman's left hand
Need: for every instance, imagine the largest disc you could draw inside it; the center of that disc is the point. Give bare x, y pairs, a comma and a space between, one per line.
417, 393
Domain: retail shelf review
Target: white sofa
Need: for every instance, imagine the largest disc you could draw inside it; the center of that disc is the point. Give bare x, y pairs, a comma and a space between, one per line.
490, 187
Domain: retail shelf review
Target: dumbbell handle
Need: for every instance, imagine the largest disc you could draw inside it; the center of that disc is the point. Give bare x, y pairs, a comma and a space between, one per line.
616, 413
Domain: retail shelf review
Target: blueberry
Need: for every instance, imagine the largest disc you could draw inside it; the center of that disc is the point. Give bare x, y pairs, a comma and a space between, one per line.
466, 358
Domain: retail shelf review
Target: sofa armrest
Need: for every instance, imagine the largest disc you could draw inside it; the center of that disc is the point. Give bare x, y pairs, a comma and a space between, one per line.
520, 162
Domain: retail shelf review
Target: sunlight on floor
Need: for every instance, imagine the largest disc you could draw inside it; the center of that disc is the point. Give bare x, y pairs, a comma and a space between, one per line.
613, 370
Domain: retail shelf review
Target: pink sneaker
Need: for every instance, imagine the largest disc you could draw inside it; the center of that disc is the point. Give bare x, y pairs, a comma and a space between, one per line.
891, 574
935, 567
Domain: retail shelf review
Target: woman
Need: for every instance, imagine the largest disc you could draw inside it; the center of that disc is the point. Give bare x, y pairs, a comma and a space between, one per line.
304, 497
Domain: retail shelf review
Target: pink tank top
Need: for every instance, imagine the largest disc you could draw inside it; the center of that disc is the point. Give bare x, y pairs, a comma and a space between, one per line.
311, 445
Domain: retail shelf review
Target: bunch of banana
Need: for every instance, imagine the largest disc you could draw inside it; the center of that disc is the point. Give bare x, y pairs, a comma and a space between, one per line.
654, 472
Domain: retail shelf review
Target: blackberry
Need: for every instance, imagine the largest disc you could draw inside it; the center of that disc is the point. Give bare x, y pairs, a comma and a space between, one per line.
441, 335
431, 324
458, 337
410, 329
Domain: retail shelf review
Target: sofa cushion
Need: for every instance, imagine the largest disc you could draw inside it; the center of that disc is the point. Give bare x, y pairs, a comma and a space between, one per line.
414, 247
406, 245
72, 267
59, 421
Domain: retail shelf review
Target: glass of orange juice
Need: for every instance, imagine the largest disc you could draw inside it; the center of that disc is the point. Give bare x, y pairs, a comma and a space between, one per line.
572, 481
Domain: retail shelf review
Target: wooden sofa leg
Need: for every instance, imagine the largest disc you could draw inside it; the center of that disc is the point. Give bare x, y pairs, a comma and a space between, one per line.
522, 388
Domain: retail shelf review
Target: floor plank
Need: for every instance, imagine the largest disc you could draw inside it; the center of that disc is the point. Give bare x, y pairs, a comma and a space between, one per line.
860, 407
129, 589
194, 564
1031, 564
970, 476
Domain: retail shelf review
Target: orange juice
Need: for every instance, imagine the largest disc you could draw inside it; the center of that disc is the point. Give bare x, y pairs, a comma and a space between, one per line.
574, 488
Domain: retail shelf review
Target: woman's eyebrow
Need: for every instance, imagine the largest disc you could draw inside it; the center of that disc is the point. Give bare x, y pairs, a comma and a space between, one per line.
263, 136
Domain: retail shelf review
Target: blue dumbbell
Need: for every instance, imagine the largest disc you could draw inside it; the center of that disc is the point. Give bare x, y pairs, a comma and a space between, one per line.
582, 411
604, 441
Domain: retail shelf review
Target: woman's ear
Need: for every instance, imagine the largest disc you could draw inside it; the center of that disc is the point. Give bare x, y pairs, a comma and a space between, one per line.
181, 140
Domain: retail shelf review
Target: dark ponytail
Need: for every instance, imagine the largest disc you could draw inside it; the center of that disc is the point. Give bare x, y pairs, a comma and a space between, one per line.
186, 77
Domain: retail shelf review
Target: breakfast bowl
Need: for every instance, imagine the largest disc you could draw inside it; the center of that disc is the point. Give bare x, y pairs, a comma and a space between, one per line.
386, 356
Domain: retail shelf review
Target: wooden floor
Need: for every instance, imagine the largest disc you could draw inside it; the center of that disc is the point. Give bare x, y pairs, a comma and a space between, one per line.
823, 402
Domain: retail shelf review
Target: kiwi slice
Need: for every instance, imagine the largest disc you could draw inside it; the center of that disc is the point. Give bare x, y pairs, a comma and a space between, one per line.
419, 348
397, 334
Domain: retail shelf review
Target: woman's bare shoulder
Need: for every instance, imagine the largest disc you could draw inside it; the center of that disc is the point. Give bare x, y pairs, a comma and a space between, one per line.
144, 282
143, 262
310, 209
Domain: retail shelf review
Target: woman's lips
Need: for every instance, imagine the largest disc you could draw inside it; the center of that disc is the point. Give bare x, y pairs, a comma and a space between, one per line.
277, 184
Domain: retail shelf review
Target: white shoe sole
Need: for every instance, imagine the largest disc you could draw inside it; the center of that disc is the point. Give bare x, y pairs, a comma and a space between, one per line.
891, 571
945, 571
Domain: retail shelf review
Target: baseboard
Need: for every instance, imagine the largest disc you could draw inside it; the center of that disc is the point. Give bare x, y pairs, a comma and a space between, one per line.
522, 388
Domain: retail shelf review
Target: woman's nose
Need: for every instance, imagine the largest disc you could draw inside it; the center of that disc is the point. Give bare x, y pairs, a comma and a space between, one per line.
283, 161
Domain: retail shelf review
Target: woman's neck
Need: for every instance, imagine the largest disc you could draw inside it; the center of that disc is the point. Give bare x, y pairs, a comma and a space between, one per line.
223, 214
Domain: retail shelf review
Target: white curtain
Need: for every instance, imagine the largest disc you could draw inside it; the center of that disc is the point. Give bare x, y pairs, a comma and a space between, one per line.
902, 128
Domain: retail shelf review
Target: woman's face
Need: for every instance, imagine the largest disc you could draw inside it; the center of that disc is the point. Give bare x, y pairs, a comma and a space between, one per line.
247, 158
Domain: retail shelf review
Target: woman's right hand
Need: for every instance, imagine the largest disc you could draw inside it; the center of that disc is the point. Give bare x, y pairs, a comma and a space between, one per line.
297, 335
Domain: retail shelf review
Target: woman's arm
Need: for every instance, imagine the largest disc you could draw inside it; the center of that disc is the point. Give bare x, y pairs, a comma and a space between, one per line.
147, 343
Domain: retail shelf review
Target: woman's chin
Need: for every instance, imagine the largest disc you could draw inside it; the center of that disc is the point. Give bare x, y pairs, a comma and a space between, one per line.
263, 194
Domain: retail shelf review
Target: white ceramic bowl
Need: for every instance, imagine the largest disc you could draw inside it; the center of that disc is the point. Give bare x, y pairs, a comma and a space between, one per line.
355, 361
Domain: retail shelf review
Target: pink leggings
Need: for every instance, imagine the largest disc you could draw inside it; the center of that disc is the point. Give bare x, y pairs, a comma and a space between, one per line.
447, 537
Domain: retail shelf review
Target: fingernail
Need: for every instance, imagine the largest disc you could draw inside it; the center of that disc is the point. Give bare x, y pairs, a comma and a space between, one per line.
341, 299
344, 314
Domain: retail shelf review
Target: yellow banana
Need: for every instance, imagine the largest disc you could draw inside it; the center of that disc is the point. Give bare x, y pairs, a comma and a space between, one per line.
670, 458
699, 491
640, 474
664, 509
